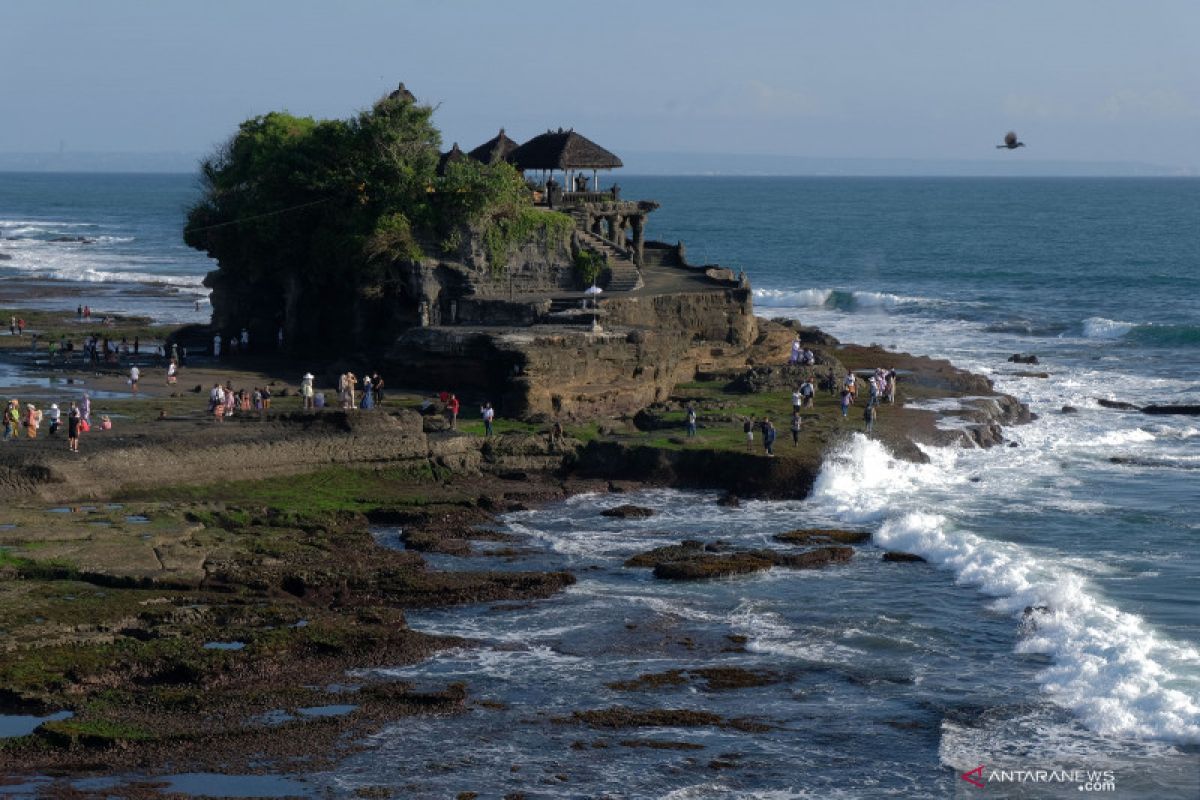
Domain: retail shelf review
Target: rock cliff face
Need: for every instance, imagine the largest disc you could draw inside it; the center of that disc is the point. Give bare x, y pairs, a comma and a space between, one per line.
360, 317
648, 345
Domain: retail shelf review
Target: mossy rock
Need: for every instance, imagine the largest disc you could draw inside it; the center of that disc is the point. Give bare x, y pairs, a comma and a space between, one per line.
706, 566
809, 559
814, 535
621, 717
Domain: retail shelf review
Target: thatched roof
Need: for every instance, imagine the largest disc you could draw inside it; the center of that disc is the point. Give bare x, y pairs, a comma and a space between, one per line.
402, 93
562, 150
495, 149
449, 157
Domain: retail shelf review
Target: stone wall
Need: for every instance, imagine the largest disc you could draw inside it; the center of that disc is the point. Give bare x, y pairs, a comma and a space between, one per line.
720, 316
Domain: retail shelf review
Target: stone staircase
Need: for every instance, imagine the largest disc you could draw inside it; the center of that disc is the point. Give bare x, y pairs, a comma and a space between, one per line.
622, 274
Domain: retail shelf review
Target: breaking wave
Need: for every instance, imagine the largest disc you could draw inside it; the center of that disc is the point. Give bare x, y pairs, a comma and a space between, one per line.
1108, 666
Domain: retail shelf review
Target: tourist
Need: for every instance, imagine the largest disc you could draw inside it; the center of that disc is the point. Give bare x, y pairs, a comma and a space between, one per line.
368, 396
452, 408
105, 423
279, 338
306, 390
796, 423
830, 382
748, 429
768, 431
556, 433
797, 400
428, 406
85, 404
79, 312
809, 358
691, 421
245, 340
216, 398
847, 399
233, 346
20, 326
266, 398
87, 312
197, 305
851, 385
891, 385
217, 346
137, 344
807, 393
795, 356
74, 418
489, 416
319, 400
230, 399
869, 418
12, 326
377, 387
175, 352
135, 375
55, 416
171, 370
12, 419
33, 420
183, 356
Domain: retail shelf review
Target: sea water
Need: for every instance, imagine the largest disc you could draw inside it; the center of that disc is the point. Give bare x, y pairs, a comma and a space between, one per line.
1054, 625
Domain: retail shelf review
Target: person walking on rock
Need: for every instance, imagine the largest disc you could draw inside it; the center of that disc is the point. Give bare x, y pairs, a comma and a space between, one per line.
452, 409
869, 417
74, 418
768, 431
306, 390
796, 423
135, 374
489, 416
12, 419
748, 430
691, 421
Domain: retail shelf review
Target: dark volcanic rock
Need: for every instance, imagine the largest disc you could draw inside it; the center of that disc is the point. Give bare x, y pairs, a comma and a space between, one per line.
1017, 358
1070, 410
711, 566
628, 512
809, 559
672, 552
1172, 409
894, 556
813, 535
1117, 405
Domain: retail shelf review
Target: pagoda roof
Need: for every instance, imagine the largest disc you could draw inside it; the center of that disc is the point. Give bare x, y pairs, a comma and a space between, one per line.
562, 150
494, 150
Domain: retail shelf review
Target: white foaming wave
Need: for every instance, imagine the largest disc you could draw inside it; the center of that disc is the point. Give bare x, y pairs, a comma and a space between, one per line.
1132, 436
1109, 668
804, 298
1101, 328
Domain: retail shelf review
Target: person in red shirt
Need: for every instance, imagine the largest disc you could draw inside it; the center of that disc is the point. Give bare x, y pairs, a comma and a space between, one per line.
452, 406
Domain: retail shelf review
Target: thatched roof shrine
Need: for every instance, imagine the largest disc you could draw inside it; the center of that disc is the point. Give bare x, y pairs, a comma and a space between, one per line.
494, 150
449, 157
565, 150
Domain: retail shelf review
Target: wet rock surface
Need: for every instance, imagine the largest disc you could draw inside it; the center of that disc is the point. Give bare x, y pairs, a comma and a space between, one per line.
628, 512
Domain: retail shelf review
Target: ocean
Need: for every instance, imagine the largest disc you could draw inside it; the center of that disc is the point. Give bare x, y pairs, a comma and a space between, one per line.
1055, 625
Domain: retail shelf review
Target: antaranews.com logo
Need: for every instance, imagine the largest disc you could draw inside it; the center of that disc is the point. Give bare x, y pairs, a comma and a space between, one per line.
1086, 780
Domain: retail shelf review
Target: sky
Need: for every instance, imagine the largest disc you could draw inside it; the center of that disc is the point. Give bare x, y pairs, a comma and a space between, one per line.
937, 80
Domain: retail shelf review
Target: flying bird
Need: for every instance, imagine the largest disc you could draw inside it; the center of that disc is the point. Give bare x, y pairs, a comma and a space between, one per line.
1010, 142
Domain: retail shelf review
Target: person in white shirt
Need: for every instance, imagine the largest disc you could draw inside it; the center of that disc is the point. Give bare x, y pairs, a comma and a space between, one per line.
134, 375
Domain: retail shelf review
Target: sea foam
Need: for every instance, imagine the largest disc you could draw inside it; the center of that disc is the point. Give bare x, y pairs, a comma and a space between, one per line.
1108, 666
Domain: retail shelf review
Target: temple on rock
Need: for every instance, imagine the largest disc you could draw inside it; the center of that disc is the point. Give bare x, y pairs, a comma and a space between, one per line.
544, 344
557, 304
